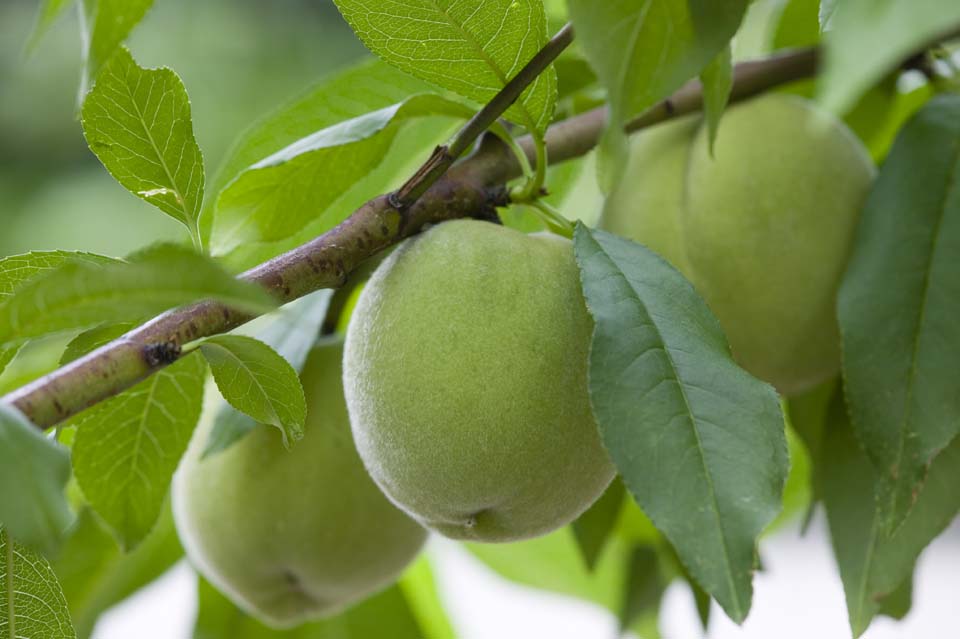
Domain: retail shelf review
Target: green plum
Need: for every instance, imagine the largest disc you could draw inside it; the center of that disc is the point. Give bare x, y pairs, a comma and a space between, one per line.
762, 227
646, 206
769, 227
292, 535
465, 373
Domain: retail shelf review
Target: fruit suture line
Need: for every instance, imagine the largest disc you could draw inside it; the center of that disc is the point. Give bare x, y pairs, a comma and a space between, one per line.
473, 188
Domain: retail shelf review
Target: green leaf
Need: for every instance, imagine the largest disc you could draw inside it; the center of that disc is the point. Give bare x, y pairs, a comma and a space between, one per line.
386, 614
127, 447
866, 39
81, 294
281, 194
872, 565
93, 339
47, 14
34, 471
897, 604
798, 25
699, 442
17, 270
96, 574
898, 308
554, 563
593, 528
105, 24
645, 586
420, 590
807, 414
717, 79
31, 601
362, 88
827, 9
137, 121
643, 50
258, 382
292, 333
473, 48
7, 354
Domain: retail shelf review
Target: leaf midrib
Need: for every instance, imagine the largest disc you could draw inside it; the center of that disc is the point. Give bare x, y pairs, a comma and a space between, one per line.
188, 217
683, 392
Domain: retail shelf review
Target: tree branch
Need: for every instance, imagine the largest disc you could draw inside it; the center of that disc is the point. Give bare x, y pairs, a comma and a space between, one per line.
473, 188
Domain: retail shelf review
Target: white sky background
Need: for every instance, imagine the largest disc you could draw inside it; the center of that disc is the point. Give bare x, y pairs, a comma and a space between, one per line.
798, 597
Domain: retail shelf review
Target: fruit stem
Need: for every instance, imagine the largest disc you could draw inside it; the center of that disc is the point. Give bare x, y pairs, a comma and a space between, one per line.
554, 220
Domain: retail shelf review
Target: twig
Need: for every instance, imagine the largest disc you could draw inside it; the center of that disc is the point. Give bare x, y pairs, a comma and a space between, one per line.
472, 188
444, 156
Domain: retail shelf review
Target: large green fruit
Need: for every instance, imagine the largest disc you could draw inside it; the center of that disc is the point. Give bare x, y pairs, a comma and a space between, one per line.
465, 373
292, 535
765, 226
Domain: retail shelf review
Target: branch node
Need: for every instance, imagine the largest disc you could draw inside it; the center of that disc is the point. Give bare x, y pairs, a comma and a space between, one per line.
161, 353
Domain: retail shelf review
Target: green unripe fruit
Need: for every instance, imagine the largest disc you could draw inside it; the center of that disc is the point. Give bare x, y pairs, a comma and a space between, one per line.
291, 535
763, 227
769, 228
647, 205
465, 373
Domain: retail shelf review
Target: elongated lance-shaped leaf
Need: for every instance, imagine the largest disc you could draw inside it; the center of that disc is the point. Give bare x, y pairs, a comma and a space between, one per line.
33, 473
31, 601
137, 121
699, 443
258, 382
78, 295
362, 88
866, 39
104, 25
127, 447
899, 306
873, 566
292, 334
643, 50
473, 48
280, 194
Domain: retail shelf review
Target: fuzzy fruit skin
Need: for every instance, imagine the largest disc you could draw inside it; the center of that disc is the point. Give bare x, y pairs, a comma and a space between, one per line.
292, 535
465, 373
647, 205
769, 227
763, 229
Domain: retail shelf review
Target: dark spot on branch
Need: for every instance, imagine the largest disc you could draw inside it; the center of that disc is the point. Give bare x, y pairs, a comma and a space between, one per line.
669, 107
161, 354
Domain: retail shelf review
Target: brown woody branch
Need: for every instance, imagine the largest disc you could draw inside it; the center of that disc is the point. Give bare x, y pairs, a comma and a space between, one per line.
472, 188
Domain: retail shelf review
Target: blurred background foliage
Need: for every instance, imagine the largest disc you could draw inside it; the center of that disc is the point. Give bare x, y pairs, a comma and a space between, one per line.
239, 59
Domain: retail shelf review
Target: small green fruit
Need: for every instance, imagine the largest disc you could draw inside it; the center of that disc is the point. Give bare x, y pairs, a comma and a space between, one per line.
465, 373
291, 535
763, 228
